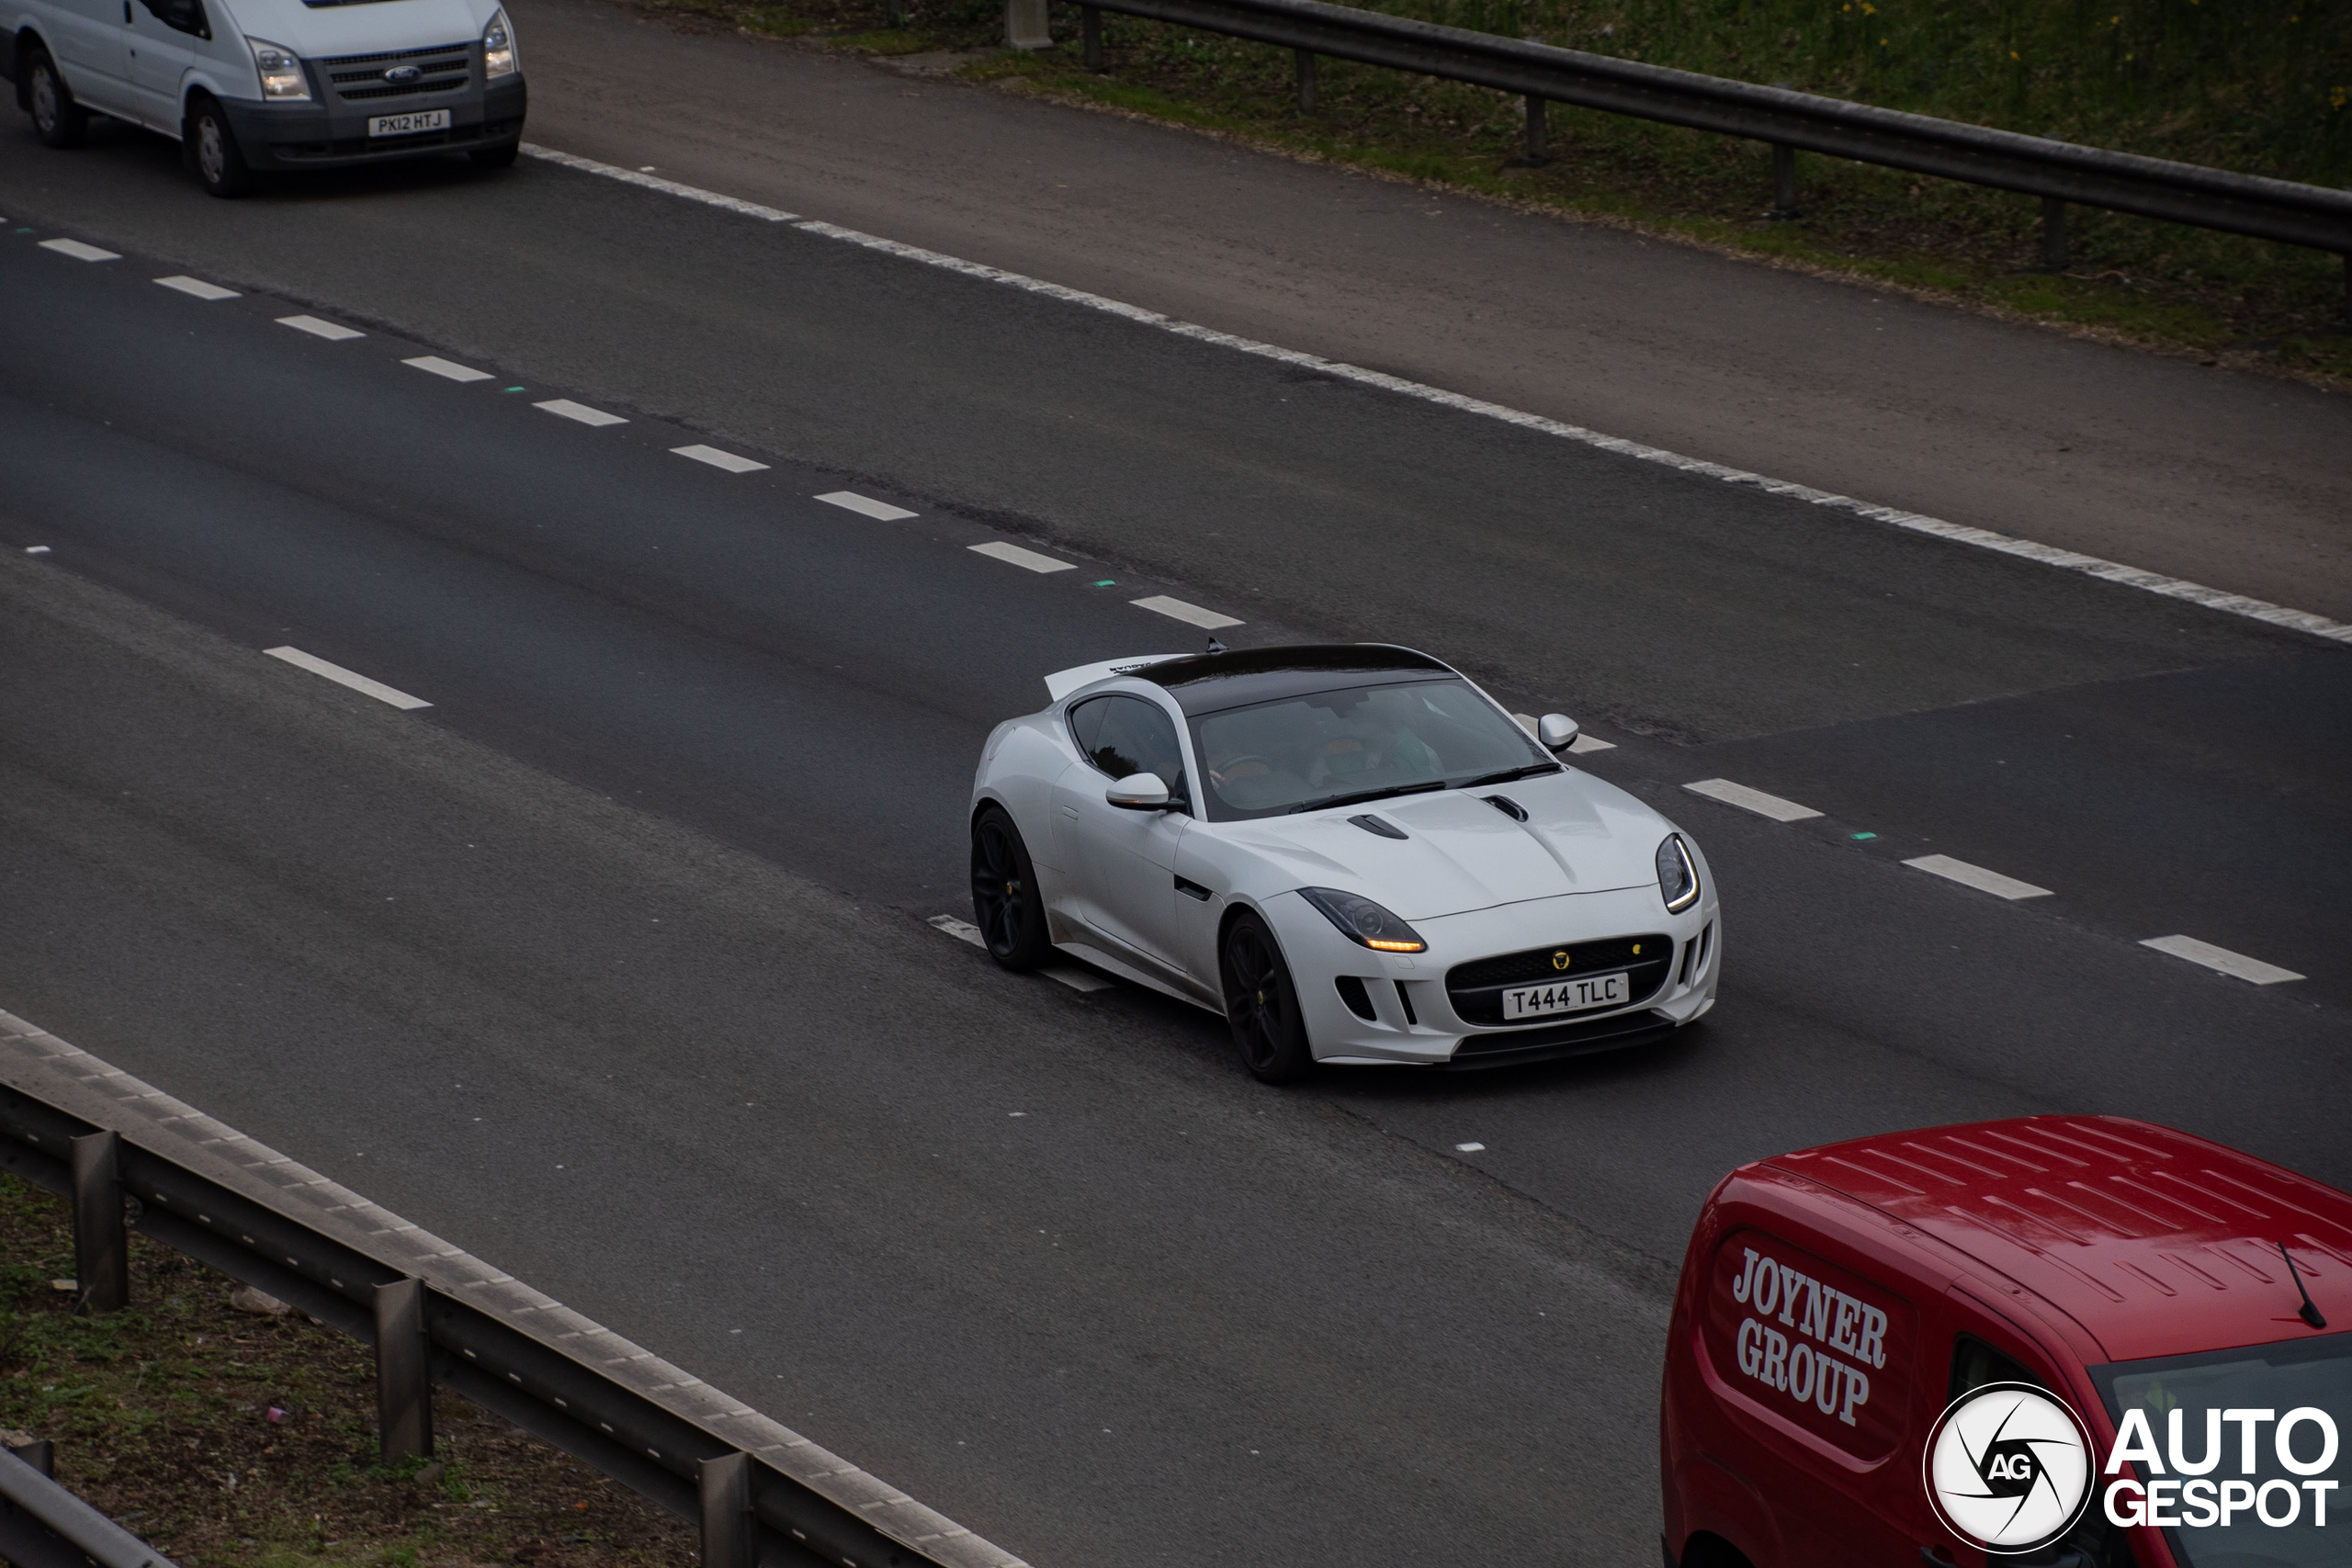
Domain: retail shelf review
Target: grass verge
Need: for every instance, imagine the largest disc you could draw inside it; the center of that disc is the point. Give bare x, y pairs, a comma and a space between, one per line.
2217, 298
236, 1439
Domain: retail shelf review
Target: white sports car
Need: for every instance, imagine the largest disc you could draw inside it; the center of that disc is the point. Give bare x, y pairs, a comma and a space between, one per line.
1349, 852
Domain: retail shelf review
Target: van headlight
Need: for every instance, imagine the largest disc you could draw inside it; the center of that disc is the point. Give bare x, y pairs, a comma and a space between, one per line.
281, 74
498, 58
1678, 879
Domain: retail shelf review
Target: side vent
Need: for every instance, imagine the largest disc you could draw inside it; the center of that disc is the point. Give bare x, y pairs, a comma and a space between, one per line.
1405, 1001
1359, 1000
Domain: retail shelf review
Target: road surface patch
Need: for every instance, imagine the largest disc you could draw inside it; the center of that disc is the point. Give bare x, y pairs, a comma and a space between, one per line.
79, 251
1014, 555
1976, 876
1979, 538
1754, 800
1209, 620
197, 287
2222, 959
438, 365
719, 459
849, 500
342, 677
333, 332
564, 408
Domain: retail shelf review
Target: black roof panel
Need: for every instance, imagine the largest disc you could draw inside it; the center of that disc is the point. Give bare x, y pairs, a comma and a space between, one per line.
1209, 681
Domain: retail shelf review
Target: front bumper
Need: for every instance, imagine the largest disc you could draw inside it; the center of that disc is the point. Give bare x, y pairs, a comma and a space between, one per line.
331, 133
1434, 1034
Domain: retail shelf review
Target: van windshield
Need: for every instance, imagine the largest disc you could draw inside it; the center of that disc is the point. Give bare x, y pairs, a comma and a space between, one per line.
2259, 1502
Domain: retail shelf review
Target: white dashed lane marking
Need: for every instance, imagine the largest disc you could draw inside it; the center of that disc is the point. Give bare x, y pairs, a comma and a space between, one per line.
1754, 800
1976, 876
1016, 556
1470, 1149
197, 287
719, 459
1076, 976
2221, 958
78, 250
850, 500
450, 368
342, 677
1208, 620
564, 408
333, 332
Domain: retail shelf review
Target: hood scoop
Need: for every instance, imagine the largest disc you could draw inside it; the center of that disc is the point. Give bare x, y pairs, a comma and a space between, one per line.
1371, 824
1506, 805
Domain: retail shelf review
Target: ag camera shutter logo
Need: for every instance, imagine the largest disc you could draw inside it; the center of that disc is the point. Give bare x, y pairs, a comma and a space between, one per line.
2007, 1468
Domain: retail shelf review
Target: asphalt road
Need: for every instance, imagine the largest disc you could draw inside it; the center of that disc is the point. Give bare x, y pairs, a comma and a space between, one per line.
643, 890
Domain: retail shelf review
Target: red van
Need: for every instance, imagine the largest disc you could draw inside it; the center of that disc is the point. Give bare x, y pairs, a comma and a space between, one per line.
2077, 1341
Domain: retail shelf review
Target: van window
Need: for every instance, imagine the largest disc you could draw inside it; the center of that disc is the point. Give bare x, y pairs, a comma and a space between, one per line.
1809, 1343
1974, 1364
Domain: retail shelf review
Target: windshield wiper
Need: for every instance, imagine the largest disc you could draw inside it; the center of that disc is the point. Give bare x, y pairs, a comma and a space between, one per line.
1508, 775
1363, 795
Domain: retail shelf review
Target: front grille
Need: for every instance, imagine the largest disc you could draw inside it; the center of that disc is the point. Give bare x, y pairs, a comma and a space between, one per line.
1477, 989
401, 90
395, 56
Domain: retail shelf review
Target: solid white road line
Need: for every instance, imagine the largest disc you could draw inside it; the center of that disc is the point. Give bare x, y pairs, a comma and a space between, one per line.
2222, 959
719, 459
962, 930
1976, 876
78, 250
564, 408
1754, 800
881, 511
450, 368
1016, 556
197, 287
343, 677
333, 332
1209, 620
668, 188
1913, 522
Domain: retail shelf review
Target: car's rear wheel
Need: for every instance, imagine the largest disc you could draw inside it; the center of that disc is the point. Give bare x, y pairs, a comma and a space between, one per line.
58, 120
1261, 1004
212, 150
1006, 902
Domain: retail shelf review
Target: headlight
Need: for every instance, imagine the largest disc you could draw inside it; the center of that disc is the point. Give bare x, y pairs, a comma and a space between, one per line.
1361, 919
281, 74
1678, 879
498, 47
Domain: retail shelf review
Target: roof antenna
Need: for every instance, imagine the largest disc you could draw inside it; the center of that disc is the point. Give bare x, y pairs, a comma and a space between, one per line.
1215, 647
2310, 1314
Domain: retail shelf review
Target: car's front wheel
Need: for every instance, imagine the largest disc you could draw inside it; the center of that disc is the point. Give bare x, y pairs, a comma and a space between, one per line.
58, 120
1261, 1004
212, 149
1006, 902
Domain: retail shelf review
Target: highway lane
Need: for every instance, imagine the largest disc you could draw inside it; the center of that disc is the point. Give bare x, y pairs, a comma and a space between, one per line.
461, 544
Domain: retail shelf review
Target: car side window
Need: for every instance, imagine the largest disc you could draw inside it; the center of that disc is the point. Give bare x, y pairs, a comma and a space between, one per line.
180, 16
1130, 737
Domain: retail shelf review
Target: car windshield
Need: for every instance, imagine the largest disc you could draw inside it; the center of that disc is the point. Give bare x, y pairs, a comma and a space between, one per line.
2249, 1476
1333, 748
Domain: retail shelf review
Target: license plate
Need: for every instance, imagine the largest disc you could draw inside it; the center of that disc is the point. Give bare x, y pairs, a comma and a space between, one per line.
1564, 996
409, 124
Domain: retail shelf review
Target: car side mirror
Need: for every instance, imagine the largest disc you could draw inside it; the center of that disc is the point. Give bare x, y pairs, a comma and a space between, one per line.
1138, 792
1557, 731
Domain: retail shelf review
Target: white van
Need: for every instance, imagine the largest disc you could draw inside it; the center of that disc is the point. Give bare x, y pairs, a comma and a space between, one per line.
253, 84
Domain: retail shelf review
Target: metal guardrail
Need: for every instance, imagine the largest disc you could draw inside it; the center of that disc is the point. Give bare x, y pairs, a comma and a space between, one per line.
44, 1526
2058, 172
125, 1154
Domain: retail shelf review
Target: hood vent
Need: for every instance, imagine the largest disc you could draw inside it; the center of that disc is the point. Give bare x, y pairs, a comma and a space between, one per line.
1507, 807
1371, 824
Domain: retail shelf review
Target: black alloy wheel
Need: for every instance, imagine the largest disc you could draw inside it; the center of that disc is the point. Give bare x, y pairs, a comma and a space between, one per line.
58, 120
1263, 1005
1006, 904
213, 151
